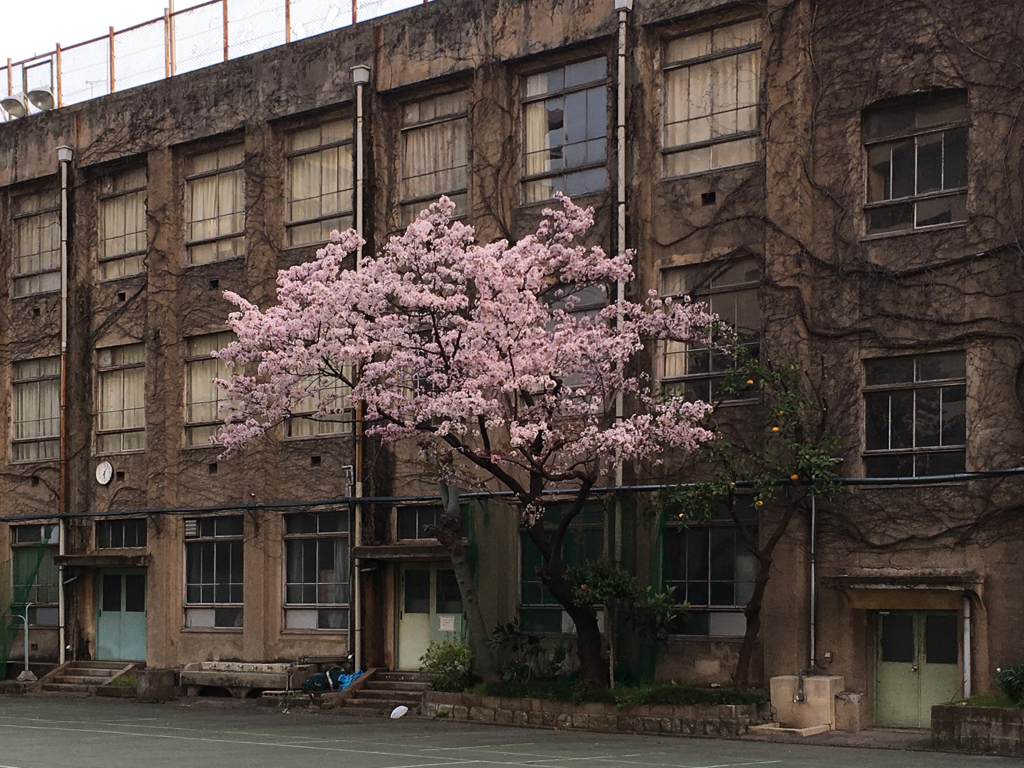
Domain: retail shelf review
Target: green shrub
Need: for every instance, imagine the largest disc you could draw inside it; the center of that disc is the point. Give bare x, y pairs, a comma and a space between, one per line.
449, 664
621, 695
1011, 681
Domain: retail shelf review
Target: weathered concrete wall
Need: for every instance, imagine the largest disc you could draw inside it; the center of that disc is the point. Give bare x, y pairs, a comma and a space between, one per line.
978, 729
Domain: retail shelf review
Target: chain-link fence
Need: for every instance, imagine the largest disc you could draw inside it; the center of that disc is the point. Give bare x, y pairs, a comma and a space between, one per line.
186, 40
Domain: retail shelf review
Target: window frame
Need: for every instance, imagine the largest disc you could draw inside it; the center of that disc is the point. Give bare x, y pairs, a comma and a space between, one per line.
719, 522
119, 368
191, 359
319, 606
123, 523
912, 104
407, 128
675, 65
53, 439
222, 543
706, 289
288, 155
914, 387
527, 179
51, 549
52, 211
106, 196
239, 235
345, 420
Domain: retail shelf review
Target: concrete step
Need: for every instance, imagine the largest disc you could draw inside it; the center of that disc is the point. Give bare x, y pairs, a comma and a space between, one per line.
67, 688
389, 675
93, 664
401, 685
84, 679
400, 697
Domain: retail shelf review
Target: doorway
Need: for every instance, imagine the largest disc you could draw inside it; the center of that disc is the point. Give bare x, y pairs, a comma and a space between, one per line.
429, 611
917, 664
121, 614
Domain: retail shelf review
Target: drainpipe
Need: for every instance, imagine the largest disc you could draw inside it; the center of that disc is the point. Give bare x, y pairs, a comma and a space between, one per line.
967, 645
64, 156
360, 77
814, 585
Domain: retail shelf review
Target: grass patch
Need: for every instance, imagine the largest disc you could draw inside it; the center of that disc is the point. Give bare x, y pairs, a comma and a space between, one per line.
122, 682
623, 695
990, 699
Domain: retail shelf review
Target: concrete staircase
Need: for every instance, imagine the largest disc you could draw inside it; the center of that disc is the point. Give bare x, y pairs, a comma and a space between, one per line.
385, 690
81, 677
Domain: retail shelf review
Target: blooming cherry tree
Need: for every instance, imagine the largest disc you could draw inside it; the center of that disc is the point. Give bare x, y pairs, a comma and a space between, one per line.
481, 354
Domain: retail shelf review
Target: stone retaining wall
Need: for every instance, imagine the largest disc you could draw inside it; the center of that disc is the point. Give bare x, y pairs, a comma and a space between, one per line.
722, 720
978, 729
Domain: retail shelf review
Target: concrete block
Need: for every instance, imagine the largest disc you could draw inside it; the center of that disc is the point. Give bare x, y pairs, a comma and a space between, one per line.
155, 685
482, 714
818, 707
503, 716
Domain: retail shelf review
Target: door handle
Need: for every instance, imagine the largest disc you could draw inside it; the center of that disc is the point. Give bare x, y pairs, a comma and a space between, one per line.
913, 668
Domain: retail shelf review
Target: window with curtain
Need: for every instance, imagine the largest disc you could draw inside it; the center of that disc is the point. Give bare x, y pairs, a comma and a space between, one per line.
434, 139
697, 370
215, 211
565, 129
35, 575
214, 571
121, 396
320, 182
36, 397
123, 225
333, 395
202, 396
317, 570
36, 225
712, 90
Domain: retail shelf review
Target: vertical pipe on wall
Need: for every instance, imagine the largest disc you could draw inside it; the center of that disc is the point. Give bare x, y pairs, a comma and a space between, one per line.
167, 42
967, 645
111, 59
813, 578
360, 76
170, 35
225, 30
60, 92
64, 155
287, 21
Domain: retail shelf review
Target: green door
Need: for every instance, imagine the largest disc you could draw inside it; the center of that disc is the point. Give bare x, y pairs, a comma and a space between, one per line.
917, 664
429, 610
121, 615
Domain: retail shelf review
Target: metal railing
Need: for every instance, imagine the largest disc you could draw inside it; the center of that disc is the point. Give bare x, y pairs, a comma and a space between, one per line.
182, 41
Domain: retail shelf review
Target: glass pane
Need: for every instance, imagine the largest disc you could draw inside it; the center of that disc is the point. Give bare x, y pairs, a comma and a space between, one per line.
889, 121
302, 522
876, 425
135, 593
427, 518
901, 414
697, 555
955, 159
903, 169
946, 365
229, 526
585, 72
407, 523
891, 218
932, 212
954, 423
893, 370
893, 465
546, 620
898, 638
447, 599
941, 641
227, 617
944, 463
417, 591
929, 163
111, 593
927, 412
332, 619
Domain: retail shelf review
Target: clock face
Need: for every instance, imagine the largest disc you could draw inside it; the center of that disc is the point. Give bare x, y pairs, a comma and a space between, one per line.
104, 472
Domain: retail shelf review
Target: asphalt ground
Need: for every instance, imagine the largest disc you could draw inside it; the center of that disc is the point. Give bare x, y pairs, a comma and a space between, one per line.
91, 733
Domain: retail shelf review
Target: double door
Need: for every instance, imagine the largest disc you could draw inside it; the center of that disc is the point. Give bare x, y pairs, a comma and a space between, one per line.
917, 664
429, 611
121, 614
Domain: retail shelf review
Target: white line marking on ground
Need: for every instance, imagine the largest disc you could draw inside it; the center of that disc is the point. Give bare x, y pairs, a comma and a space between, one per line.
480, 746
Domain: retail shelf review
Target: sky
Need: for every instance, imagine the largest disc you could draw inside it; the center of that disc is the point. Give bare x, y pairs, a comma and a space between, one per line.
31, 27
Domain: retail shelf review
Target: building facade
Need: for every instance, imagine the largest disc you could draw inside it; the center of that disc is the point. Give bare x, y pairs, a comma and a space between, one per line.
841, 184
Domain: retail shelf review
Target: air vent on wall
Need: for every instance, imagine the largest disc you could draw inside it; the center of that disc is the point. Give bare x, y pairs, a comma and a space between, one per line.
191, 529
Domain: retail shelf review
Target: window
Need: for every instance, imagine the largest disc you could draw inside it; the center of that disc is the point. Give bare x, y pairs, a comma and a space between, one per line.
414, 521
565, 117
584, 542
317, 570
123, 225
434, 153
36, 222
202, 396
333, 394
121, 534
711, 567
213, 571
36, 432
35, 573
320, 182
917, 163
215, 185
697, 371
712, 90
914, 411
121, 413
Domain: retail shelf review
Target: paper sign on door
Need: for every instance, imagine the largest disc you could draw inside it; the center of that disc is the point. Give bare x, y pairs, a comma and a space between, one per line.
447, 623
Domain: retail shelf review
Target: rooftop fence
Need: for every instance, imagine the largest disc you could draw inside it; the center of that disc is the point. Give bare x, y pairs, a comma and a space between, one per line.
182, 41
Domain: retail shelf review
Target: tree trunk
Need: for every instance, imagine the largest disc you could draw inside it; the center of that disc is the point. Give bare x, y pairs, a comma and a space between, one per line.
449, 534
593, 672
